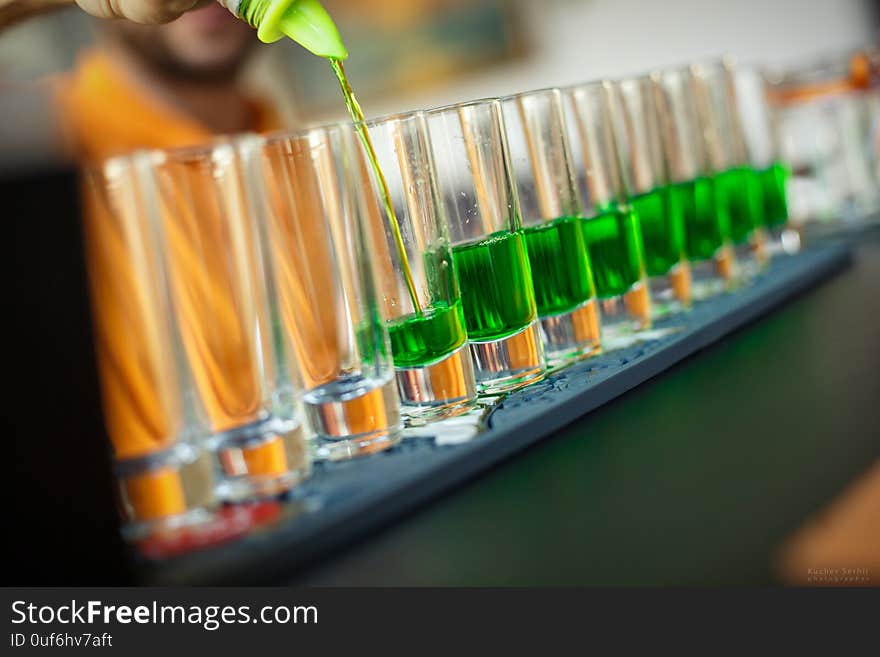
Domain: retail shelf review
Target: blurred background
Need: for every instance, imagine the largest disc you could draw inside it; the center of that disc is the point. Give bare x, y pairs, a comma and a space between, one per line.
416, 53
109, 87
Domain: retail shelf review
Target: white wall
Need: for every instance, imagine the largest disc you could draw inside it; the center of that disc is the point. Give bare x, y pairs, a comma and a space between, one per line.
572, 40
576, 40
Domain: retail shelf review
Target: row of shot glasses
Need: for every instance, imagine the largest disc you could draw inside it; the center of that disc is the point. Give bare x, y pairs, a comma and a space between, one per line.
256, 309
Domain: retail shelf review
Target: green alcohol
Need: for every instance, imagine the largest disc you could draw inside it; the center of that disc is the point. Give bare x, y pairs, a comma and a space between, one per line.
560, 265
706, 222
773, 180
496, 285
614, 242
740, 189
357, 116
662, 223
419, 340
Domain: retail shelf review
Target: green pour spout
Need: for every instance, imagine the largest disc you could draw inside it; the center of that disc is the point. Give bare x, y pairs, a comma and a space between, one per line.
307, 23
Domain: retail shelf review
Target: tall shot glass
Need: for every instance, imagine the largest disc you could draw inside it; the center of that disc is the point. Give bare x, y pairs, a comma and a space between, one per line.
658, 205
763, 143
737, 187
164, 474
209, 224
488, 246
706, 220
611, 229
552, 224
326, 291
414, 274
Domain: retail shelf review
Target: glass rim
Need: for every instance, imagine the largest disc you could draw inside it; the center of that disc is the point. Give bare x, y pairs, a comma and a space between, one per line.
195, 152
683, 71
112, 164
286, 135
586, 86
712, 65
394, 117
327, 127
543, 91
444, 109
639, 78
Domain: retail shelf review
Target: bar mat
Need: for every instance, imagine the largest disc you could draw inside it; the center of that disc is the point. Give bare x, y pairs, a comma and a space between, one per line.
344, 500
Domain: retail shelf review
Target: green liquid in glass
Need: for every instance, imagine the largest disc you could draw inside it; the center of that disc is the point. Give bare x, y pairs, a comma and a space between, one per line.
357, 116
773, 180
614, 242
740, 189
496, 285
560, 265
419, 340
706, 222
662, 223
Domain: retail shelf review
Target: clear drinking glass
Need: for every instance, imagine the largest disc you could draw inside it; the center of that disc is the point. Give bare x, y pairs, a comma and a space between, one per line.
552, 224
706, 220
827, 112
488, 246
737, 185
657, 203
164, 473
611, 229
761, 135
209, 229
414, 274
326, 292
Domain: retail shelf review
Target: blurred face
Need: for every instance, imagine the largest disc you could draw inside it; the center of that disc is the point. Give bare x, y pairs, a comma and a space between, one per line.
206, 44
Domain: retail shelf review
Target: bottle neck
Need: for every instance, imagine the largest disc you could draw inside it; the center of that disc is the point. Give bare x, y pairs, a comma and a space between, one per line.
250, 11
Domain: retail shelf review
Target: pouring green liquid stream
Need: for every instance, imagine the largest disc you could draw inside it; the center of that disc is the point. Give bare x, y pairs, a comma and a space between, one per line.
357, 115
309, 24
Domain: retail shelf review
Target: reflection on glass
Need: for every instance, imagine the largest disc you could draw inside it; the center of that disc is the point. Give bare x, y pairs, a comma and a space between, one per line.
164, 479
326, 291
432, 363
552, 224
706, 221
488, 246
612, 230
658, 204
737, 187
215, 273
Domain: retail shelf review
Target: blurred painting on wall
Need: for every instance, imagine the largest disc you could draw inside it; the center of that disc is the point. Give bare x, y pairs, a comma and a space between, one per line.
407, 44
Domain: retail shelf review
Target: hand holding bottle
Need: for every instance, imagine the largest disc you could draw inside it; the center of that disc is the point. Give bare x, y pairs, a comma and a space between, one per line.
304, 21
139, 11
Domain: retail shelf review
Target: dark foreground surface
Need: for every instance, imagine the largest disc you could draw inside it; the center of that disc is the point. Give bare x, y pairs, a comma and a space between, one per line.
694, 477
645, 490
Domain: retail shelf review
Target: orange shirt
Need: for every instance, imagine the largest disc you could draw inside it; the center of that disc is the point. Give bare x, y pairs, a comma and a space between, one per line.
104, 113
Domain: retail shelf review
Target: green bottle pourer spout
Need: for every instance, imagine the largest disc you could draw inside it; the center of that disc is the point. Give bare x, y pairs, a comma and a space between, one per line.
307, 23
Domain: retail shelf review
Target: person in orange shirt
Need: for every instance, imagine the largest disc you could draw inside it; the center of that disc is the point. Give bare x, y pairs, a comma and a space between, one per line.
161, 86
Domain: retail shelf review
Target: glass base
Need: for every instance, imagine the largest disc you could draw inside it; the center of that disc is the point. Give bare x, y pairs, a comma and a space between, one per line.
508, 363
356, 446
630, 312
262, 459
747, 265
783, 240
355, 416
707, 282
165, 490
442, 389
726, 265
573, 335
714, 276
752, 256
672, 293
